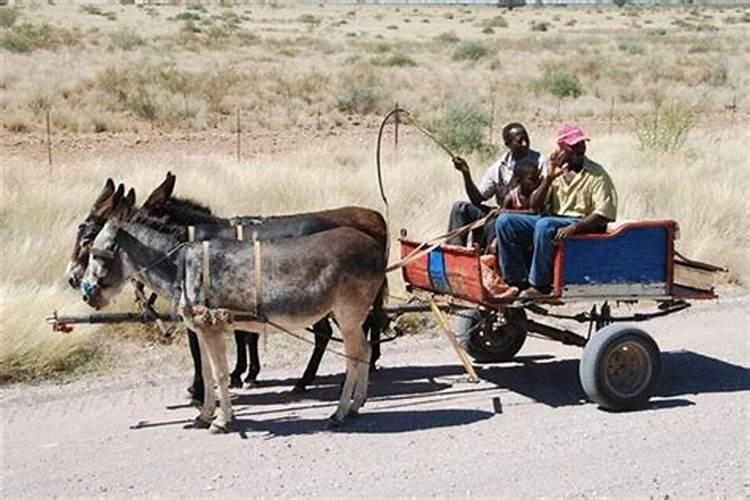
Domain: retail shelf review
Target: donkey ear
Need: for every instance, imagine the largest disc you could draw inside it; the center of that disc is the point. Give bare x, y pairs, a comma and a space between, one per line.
162, 193
130, 198
107, 191
104, 209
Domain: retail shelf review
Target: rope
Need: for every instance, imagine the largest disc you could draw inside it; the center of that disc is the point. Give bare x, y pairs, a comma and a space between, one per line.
430, 245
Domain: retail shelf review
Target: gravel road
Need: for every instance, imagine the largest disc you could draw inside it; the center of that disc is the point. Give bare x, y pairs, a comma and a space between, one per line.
524, 430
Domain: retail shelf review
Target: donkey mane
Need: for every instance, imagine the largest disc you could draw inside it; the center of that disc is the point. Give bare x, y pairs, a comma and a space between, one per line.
161, 224
184, 211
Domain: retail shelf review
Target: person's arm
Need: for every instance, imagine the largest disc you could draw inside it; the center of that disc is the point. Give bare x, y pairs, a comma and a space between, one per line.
557, 166
604, 197
508, 202
592, 223
471, 189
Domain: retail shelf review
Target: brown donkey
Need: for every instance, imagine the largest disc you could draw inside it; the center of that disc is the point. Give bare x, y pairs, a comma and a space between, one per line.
291, 283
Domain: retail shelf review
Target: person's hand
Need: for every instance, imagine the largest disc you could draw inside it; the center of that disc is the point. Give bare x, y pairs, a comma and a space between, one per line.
460, 165
558, 163
566, 232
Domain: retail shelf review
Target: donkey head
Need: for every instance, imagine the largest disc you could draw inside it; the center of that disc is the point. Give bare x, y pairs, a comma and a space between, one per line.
88, 229
105, 273
98, 216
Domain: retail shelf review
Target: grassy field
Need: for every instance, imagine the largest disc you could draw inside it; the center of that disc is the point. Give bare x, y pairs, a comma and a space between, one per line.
134, 92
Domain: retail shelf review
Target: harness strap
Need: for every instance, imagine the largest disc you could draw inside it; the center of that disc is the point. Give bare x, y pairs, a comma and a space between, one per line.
206, 270
102, 253
257, 291
191, 233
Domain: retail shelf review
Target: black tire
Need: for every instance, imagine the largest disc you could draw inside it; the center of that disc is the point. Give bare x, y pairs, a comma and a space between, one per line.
491, 337
620, 367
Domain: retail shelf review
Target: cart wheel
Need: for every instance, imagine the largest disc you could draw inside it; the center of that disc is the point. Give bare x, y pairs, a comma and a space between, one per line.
490, 337
620, 367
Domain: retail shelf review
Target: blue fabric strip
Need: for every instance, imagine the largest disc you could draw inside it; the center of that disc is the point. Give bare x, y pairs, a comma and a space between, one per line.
438, 274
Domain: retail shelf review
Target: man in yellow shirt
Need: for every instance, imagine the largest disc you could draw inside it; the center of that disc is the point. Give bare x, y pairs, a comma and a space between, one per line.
576, 196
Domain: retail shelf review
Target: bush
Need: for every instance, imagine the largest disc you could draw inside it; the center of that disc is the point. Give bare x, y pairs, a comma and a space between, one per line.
470, 51
309, 19
447, 37
462, 128
495, 22
632, 48
358, 92
561, 84
542, 26
8, 17
666, 128
27, 37
398, 60
126, 39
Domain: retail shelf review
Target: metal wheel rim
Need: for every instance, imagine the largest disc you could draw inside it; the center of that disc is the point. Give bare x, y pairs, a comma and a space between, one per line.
497, 337
627, 369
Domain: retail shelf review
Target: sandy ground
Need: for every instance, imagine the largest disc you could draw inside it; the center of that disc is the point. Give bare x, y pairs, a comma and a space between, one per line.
524, 430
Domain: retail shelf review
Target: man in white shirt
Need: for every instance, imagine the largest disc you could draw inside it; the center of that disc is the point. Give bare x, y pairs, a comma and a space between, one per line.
497, 181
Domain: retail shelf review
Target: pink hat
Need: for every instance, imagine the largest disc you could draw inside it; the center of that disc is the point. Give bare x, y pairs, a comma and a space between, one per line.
570, 134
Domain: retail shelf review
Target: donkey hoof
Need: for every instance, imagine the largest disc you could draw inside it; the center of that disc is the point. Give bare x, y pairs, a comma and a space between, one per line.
218, 428
249, 385
235, 383
334, 422
299, 389
199, 423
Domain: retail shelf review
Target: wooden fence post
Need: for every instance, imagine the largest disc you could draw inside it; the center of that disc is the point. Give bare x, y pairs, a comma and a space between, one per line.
239, 136
49, 143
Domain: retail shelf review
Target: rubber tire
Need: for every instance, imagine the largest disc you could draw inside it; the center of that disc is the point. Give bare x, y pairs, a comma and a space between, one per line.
476, 345
591, 369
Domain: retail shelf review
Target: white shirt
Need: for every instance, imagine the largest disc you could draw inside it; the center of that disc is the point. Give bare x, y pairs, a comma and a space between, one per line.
497, 179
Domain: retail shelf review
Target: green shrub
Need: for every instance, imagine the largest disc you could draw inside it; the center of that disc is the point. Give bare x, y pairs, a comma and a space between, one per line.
495, 22
398, 60
8, 17
127, 39
309, 19
188, 16
27, 37
142, 105
539, 26
447, 37
715, 75
470, 51
666, 128
560, 83
488, 31
632, 48
462, 128
358, 91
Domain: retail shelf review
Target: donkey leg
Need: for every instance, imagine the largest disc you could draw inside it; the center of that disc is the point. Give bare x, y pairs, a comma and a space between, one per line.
357, 361
252, 351
323, 333
203, 420
216, 345
371, 328
240, 340
196, 388
362, 375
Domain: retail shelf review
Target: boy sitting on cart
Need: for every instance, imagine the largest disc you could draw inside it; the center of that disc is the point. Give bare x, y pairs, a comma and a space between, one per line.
576, 196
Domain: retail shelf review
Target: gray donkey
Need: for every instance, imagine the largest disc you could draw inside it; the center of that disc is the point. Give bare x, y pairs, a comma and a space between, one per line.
286, 283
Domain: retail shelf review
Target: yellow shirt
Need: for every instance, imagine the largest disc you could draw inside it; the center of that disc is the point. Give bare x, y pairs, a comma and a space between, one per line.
590, 192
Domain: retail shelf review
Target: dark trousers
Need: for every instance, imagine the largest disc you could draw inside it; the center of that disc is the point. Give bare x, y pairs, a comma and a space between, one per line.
464, 213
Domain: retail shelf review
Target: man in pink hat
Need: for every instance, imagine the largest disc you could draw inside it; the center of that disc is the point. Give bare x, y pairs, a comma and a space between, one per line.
576, 196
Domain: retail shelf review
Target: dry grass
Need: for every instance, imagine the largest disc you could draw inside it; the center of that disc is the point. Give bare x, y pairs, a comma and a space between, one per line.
300, 69
63, 58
